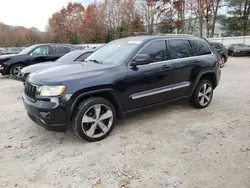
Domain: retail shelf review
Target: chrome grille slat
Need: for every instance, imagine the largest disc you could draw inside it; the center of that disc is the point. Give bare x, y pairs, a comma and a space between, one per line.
30, 90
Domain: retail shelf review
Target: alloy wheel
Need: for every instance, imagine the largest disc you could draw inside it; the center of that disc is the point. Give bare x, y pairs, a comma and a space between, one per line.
205, 94
97, 121
222, 62
17, 72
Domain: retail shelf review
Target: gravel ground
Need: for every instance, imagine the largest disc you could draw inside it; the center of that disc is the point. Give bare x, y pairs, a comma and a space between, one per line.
171, 146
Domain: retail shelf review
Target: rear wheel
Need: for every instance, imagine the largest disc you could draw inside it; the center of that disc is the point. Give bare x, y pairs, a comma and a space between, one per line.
223, 61
203, 94
94, 119
15, 71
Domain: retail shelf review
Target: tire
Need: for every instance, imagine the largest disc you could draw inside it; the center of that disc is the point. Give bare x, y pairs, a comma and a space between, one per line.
90, 126
15, 71
223, 61
199, 93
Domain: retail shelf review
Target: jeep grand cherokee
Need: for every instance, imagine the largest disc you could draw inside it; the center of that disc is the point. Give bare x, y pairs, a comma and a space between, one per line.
121, 77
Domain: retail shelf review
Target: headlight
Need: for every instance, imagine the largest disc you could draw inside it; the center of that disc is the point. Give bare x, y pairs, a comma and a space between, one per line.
49, 91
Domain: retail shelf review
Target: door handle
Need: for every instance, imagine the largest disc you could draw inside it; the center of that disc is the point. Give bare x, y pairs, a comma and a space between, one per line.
196, 61
165, 67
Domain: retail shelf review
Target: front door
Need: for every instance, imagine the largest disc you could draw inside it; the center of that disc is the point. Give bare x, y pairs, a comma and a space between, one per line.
39, 55
151, 83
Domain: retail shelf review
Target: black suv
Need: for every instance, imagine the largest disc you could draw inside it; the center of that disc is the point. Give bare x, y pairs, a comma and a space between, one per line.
121, 77
12, 64
222, 51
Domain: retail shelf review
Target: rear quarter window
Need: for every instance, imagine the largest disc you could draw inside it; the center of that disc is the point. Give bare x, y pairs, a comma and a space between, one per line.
200, 48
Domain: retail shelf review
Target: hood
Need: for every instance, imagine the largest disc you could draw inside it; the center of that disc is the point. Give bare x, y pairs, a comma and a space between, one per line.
9, 56
63, 73
39, 66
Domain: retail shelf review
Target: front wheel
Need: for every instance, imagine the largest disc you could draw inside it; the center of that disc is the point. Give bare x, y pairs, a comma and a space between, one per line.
94, 119
15, 71
203, 94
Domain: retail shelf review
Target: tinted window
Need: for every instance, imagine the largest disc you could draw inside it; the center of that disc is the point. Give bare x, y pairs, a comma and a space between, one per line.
84, 56
156, 50
42, 50
60, 49
180, 48
200, 48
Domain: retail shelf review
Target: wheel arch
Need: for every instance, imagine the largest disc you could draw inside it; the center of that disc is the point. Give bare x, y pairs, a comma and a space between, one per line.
208, 75
108, 94
14, 64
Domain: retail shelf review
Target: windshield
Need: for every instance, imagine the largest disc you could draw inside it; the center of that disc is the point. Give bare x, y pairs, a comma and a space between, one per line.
69, 57
27, 50
114, 52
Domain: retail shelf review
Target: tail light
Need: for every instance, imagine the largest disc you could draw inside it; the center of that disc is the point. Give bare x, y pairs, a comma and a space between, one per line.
227, 51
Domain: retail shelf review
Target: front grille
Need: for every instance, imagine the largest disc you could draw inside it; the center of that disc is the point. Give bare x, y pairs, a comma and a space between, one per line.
30, 90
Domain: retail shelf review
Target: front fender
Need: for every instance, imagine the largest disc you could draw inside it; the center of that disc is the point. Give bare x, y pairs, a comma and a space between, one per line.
75, 99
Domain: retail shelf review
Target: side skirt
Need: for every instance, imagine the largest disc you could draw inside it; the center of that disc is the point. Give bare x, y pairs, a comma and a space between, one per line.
153, 105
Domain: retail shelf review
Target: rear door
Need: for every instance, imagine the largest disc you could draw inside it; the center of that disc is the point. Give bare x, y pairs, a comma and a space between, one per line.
183, 64
150, 83
189, 57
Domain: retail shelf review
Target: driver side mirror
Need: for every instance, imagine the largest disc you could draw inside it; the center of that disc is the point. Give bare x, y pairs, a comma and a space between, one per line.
141, 59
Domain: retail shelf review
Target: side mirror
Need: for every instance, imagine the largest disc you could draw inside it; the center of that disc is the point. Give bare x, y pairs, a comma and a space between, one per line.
142, 59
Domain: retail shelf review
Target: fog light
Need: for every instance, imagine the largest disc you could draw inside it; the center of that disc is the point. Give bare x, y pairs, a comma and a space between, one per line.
45, 115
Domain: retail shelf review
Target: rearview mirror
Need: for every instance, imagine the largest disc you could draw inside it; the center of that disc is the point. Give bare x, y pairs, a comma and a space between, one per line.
142, 59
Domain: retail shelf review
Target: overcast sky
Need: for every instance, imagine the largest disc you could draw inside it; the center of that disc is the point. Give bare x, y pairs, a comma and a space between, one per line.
32, 13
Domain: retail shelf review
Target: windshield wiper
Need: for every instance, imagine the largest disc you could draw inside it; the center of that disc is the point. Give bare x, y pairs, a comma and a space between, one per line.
95, 61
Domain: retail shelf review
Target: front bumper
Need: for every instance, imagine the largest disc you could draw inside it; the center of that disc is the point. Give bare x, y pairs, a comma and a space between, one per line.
3, 70
49, 115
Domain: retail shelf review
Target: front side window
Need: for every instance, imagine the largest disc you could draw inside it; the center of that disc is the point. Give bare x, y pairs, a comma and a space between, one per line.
200, 48
42, 50
156, 50
180, 48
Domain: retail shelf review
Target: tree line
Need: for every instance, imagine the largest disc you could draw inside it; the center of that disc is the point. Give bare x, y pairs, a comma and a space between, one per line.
112, 19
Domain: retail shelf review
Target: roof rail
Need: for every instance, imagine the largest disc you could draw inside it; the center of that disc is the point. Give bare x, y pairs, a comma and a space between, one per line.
174, 34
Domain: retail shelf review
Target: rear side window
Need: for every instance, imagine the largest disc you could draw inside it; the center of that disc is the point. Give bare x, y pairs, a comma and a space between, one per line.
156, 50
180, 48
60, 50
200, 48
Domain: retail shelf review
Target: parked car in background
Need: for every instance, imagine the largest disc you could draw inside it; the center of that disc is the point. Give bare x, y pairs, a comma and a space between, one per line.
12, 64
238, 50
122, 77
1, 51
222, 51
14, 50
69, 58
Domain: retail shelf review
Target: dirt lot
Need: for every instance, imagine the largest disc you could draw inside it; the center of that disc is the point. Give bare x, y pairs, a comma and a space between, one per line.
171, 146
